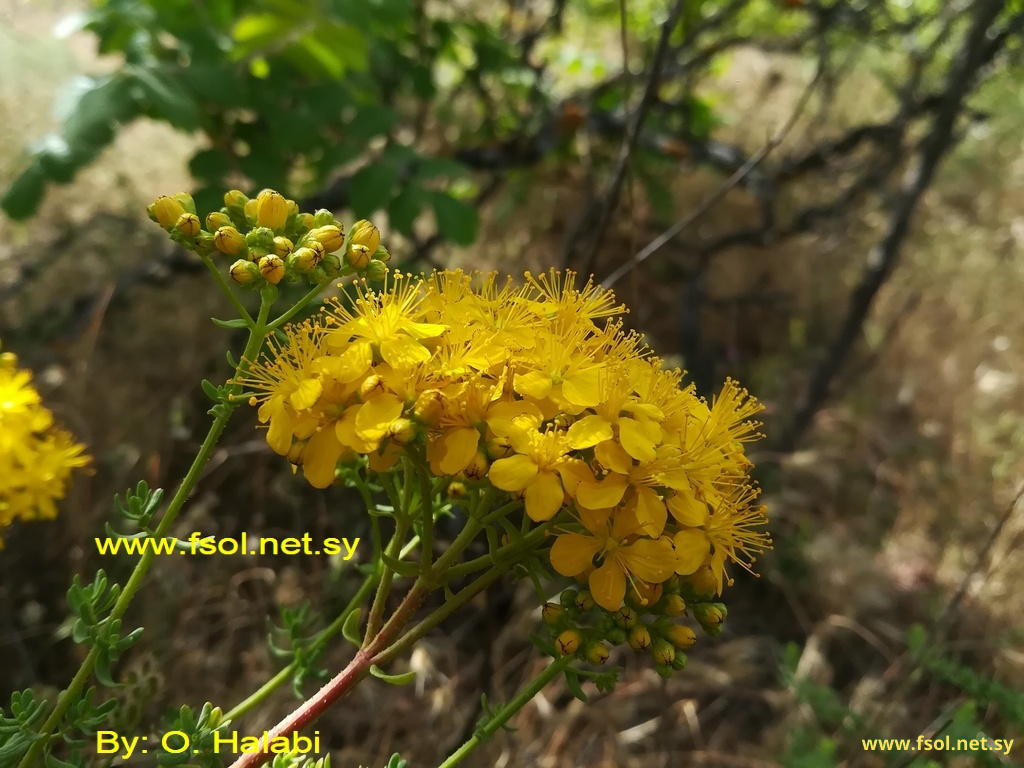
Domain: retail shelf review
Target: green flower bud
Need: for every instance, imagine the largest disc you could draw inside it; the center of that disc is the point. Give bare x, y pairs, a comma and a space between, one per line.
710, 615
282, 247
228, 240
271, 209
357, 256
382, 254
585, 600
596, 653
167, 211
216, 717
188, 224
664, 670
329, 236
664, 652
185, 200
366, 234
681, 637
304, 222
552, 613
272, 269
402, 431
376, 271
322, 218
626, 617
456, 491
704, 581
235, 198
261, 239
216, 220
305, 260
615, 635
569, 642
244, 272
330, 266
251, 211
680, 662
568, 597
673, 606
204, 243
639, 638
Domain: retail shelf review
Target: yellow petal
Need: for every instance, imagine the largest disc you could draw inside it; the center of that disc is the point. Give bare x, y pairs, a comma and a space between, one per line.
535, 384
544, 496
354, 362
583, 387
589, 431
573, 472
279, 436
345, 429
608, 585
504, 417
376, 416
457, 448
686, 509
403, 351
692, 548
635, 440
320, 457
653, 560
424, 330
573, 553
613, 457
650, 512
306, 394
513, 473
602, 493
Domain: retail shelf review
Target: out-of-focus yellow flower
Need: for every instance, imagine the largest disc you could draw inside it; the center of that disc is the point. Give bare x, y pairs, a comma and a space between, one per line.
36, 457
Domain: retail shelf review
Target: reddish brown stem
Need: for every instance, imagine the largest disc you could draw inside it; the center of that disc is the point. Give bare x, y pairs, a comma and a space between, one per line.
311, 710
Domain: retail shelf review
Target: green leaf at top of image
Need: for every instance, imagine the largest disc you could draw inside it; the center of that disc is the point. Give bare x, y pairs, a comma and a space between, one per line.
256, 31
372, 188
370, 121
165, 97
457, 220
406, 207
23, 197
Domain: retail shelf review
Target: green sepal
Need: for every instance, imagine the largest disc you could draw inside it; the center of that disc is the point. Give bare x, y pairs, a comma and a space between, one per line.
401, 567
350, 628
237, 324
403, 679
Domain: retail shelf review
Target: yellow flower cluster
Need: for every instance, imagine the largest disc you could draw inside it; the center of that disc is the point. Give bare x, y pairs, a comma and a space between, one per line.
36, 458
539, 391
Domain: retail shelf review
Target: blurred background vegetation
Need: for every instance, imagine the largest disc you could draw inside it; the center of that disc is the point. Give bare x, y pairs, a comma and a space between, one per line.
822, 199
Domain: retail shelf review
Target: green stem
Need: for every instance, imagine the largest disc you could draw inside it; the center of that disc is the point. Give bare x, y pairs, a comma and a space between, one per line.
394, 549
226, 288
503, 715
73, 692
261, 694
427, 503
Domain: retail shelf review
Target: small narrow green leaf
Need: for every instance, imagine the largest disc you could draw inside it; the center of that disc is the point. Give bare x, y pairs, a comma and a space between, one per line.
350, 629
237, 324
401, 567
23, 197
403, 679
572, 681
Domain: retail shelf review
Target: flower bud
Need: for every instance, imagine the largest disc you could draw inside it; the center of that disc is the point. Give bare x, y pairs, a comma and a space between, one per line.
552, 613
167, 211
639, 638
228, 240
664, 652
456, 490
477, 468
499, 448
376, 271
641, 594
251, 209
329, 236
357, 256
216, 717
243, 272
185, 201
188, 224
402, 431
260, 239
596, 653
306, 259
371, 385
679, 663
366, 234
711, 617
429, 406
271, 209
626, 617
235, 198
304, 222
681, 637
674, 606
585, 600
704, 581
568, 598
322, 218
272, 269
216, 220
204, 243
382, 254
569, 642
283, 247
615, 635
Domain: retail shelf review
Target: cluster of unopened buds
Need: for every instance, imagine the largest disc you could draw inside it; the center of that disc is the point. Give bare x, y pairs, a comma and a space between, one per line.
271, 240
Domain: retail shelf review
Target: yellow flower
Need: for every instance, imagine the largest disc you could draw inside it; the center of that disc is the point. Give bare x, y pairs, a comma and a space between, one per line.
611, 542
540, 469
